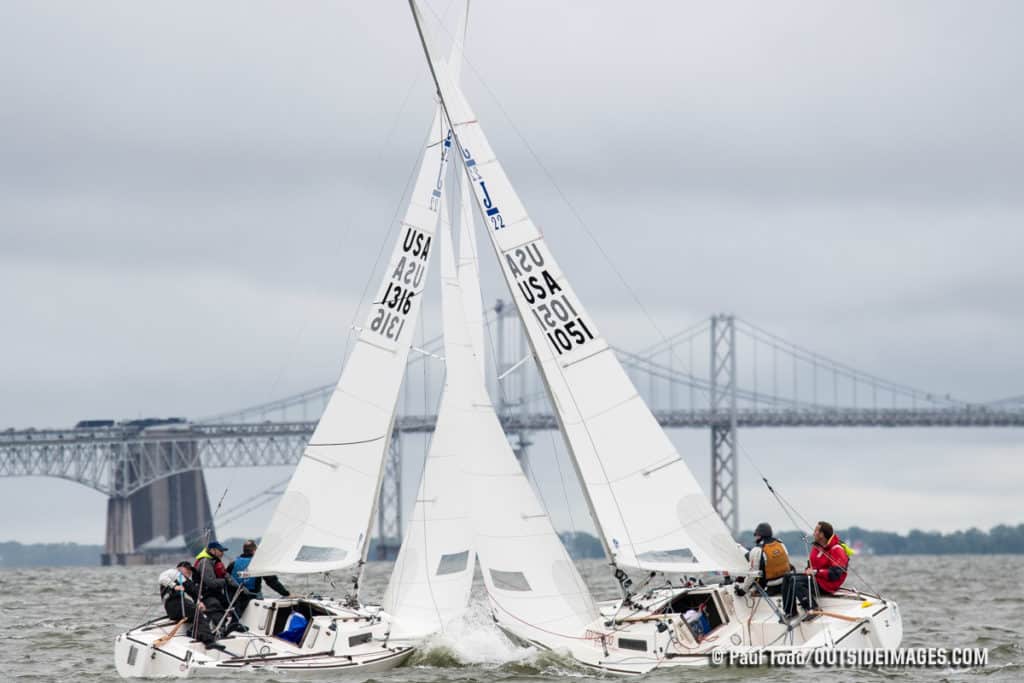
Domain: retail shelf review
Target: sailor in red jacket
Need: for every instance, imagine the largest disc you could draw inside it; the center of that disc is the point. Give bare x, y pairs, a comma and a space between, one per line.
828, 559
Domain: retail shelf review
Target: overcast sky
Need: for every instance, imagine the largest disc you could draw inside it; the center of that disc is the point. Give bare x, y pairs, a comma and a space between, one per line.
192, 196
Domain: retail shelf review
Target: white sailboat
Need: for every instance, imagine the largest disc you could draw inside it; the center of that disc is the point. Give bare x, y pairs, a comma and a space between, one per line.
651, 515
322, 522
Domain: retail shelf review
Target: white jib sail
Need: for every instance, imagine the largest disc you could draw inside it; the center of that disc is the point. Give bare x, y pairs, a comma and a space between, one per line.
323, 519
648, 507
528, 574
530, 579
433, 574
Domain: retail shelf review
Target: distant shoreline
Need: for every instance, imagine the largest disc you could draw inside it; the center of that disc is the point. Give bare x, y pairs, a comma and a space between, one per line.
999, 540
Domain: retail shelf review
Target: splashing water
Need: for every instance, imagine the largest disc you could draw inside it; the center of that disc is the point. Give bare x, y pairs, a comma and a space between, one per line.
473, 639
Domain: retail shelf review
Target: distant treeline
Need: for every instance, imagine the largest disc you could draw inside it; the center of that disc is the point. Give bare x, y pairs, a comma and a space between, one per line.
14, 554
997, 540
1002, 539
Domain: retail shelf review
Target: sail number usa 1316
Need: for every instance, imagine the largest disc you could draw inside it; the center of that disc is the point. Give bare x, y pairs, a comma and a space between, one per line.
405, 281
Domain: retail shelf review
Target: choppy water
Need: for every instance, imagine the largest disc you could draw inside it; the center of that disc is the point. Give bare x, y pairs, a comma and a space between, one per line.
59, 624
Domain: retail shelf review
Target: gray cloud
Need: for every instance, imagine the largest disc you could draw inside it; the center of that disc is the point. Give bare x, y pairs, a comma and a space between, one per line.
191, 196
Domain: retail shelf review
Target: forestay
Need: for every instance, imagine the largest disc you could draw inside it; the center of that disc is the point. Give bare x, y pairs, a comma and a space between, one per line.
322, 522
648, 507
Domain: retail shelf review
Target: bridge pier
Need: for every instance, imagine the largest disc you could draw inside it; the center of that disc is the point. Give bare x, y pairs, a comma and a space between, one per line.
724, 447
174, 509
120, 536
389, 505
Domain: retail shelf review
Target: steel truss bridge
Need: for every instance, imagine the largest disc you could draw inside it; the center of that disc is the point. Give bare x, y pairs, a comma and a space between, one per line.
693, 379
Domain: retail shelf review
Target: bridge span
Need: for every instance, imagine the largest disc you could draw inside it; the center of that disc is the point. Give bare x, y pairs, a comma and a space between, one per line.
152, 473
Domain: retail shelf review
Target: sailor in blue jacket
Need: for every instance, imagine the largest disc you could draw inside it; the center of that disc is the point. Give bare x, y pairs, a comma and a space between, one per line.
253, 583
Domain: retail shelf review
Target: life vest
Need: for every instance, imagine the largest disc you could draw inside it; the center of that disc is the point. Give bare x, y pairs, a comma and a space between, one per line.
774, 560
240, 565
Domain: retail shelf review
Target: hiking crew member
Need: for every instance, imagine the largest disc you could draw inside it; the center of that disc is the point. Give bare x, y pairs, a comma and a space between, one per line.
827, 566
829, 559
770, 558
180, 596
217, 585
253, 584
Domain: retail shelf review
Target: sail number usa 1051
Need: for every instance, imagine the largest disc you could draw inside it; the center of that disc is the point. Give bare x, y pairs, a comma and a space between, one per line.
559, 319
406, 278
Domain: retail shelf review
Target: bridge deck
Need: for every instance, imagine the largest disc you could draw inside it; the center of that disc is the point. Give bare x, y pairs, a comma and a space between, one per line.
119, 460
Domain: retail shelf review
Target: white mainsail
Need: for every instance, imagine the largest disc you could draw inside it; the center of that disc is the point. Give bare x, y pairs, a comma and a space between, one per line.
649, 509
323, 519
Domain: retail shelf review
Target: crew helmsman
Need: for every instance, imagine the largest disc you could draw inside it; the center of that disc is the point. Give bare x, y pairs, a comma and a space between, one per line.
180, 596
770, 558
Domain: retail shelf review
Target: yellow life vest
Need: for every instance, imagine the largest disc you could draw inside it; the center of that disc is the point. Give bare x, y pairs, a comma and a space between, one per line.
774, 559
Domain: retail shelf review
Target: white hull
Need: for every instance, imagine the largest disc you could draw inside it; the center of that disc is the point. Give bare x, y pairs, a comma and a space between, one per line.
653, 634
336, 638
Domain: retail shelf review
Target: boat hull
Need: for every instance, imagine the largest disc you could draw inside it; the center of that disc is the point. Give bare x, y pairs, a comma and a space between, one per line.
336, 638
653, 633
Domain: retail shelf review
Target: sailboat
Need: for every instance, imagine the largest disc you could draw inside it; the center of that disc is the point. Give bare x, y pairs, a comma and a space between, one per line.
322, 522
661, 536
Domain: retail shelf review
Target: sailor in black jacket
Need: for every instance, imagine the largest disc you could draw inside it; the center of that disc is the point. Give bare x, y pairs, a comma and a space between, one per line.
181, 600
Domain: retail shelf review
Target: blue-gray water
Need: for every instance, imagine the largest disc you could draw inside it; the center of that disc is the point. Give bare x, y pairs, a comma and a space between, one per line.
59, 624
